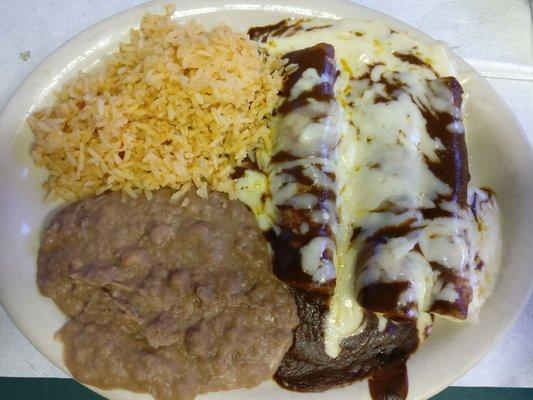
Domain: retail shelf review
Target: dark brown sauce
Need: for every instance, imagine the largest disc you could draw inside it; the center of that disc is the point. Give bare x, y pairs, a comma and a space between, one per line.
411, 59
307, 368
371, 67
263, 32
287, 262
382, 235
488, 190
390, 86
314, 28
283, 156
380, 99
238, 172
436, 212
458, 308
452, 165
286, 27
389, 383
384, 298
298, 174
247, 164
355, 233
452, 169
287, 243
321, 92
475, 203
389, 206
321, 57
307, 185
371, 353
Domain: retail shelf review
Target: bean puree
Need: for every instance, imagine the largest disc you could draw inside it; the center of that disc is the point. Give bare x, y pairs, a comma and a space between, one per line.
169, 300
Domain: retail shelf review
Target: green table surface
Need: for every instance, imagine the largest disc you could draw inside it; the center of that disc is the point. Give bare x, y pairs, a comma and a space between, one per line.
69, 389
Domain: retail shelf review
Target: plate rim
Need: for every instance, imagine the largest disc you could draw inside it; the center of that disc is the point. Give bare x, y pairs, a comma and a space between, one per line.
313, 4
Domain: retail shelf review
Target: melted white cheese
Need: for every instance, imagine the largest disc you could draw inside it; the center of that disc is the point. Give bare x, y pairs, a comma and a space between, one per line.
320, 270
380, 157
308, 80
487, 245
389, 135
252, 189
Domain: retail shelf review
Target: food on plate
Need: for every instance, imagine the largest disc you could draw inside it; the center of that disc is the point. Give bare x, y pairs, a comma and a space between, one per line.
302, 173
424, 258
411, 238
338, 144
169, 300
177, 106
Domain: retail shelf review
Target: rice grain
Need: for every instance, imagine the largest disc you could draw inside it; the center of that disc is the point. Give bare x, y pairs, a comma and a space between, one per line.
177, 105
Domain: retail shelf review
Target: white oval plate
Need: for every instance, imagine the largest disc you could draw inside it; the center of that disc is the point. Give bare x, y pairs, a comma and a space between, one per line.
500, 155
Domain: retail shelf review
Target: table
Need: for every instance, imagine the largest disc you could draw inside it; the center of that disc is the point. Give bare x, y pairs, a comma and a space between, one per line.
496, 37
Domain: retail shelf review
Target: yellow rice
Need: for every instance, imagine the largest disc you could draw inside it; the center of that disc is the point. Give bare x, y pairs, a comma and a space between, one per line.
177, 106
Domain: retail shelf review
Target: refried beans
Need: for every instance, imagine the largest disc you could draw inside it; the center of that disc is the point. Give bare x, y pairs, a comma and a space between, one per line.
174, 301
